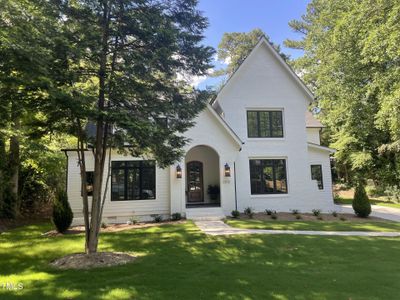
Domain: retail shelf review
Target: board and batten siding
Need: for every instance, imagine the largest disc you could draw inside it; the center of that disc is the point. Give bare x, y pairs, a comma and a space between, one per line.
117, 211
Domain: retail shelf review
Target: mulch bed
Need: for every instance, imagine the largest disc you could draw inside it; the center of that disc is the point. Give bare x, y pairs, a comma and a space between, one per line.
283, 216
95, 260
112, 228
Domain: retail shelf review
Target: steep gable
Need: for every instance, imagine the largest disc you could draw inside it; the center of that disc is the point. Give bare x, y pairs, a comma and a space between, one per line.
264, 55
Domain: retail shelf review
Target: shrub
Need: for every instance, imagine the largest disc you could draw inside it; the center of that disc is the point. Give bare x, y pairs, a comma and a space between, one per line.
104, 225
298, 217
393, 193
133, 220
295, 211
342, 218
274, 216
361, 205
320, 218
176, 216
270, 212
62, 213
316, 212
235, 214
156, 218
213, 191
334, 213
248, 211
8, 208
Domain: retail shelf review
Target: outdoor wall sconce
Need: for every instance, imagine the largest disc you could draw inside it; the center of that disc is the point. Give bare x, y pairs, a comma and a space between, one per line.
227, 170
178, 171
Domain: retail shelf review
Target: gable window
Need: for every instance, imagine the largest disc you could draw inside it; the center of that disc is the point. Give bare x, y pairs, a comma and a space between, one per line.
264, 124
133, 180
268, 176
316, 174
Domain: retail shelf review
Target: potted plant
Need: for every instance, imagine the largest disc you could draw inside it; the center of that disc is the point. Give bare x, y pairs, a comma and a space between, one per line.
213, 192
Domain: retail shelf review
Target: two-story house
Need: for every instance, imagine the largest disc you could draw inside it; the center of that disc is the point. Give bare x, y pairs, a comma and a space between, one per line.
256, 145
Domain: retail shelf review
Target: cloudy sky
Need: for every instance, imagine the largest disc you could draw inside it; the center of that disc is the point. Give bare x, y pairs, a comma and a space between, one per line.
272, 16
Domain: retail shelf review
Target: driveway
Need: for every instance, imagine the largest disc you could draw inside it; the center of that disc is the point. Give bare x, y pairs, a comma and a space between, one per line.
388, 213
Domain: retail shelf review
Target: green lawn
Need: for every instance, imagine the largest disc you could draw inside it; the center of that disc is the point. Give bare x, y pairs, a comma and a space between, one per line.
372, 201
179, 262
315, 225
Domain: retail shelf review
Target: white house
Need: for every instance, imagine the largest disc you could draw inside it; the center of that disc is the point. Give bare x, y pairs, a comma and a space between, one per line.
257, 142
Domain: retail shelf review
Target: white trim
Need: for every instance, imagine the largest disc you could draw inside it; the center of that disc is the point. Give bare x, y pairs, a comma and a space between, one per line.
225, 125
264, 41
319, 147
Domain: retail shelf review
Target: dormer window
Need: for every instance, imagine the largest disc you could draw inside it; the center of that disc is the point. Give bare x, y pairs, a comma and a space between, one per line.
264, 124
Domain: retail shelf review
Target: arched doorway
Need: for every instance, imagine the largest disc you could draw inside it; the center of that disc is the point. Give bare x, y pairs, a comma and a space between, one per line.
202, 177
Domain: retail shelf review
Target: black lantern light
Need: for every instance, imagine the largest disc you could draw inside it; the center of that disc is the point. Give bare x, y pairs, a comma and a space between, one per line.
178, 171
227, 170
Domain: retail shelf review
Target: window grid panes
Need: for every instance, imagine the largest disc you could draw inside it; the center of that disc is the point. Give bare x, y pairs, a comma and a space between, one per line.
268, 176
316, 174
133, 180
264, 124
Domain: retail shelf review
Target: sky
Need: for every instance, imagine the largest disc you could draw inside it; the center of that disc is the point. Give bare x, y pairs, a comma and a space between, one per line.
272, 16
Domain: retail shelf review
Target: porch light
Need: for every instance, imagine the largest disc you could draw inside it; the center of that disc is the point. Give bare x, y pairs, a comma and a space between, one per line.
227, 170
178, 171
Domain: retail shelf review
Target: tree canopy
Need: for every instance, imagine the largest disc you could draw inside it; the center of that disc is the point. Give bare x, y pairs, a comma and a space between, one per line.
235, 46
351, 62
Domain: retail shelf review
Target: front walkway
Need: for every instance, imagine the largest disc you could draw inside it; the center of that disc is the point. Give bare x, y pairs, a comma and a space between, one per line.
220, 228
384, 212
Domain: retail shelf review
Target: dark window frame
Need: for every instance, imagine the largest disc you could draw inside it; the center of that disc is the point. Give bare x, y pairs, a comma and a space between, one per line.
141, 167
319, 181
259, 129
274, 164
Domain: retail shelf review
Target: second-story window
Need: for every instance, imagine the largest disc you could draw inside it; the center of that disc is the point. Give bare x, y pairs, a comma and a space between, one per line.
264, 124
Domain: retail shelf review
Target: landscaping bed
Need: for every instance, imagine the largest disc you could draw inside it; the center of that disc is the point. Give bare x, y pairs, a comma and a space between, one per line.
308, 221
95, 260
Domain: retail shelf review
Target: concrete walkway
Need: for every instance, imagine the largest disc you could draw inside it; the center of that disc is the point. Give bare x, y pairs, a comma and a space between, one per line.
220, 228
384, 212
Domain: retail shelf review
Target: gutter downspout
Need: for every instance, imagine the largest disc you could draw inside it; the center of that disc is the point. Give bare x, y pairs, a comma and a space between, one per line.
234, 177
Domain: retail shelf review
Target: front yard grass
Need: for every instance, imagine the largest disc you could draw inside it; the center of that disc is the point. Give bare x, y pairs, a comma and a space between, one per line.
180, 262
315, 225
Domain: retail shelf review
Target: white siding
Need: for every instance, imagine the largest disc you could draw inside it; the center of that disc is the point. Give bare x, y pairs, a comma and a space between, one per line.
313, 135
117, 211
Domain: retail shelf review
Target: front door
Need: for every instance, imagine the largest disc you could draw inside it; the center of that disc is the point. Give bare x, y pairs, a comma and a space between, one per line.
195, 181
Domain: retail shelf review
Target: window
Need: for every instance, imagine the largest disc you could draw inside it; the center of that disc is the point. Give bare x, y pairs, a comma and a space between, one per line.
316, 174
89, 183
268, 176
133, 180
261, 124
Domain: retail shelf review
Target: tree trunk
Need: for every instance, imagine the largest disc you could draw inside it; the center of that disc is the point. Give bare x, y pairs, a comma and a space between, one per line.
2, 172
101, 138
82, 165
14, 160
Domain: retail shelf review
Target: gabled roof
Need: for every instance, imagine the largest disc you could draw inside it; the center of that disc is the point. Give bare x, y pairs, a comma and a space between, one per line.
219, 118
263, 41
319, 147
312, 122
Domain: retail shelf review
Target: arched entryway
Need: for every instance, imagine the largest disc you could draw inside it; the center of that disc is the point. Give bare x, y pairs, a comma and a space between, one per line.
202, 177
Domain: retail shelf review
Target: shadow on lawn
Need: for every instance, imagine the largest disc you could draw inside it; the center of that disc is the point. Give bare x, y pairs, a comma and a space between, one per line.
179, 262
